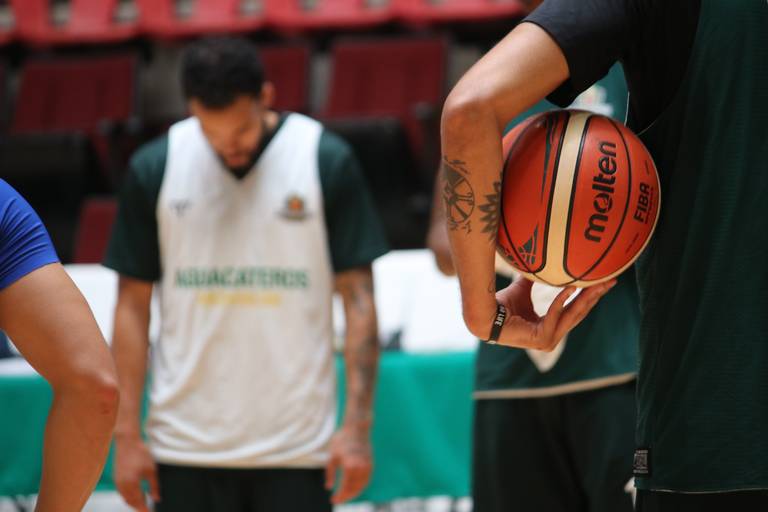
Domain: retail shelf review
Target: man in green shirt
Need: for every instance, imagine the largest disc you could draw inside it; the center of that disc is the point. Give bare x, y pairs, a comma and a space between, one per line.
695, 71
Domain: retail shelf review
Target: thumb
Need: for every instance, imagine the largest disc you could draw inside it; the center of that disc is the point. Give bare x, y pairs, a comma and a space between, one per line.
330, 472
154, 486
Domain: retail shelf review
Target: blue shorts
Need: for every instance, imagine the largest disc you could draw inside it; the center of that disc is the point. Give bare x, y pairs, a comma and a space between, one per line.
24, 243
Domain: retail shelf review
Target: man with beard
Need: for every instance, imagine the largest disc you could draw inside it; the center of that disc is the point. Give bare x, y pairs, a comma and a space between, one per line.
245, 219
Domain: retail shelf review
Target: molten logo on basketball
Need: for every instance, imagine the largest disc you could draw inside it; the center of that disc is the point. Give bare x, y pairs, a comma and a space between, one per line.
602, 183
599, 203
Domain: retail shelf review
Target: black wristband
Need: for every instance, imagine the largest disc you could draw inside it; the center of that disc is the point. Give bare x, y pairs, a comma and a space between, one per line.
498, 323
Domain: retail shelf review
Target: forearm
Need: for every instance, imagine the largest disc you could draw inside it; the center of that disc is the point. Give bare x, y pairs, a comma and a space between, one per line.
361, 359
472, 161
520, 71
74, 450
361, 347
130, 349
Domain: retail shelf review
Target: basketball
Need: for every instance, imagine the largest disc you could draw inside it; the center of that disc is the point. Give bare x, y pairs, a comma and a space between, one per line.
579, 198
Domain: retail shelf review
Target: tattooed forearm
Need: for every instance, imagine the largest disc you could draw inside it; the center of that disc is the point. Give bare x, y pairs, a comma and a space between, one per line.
491, 213
361, 347
361, 358
361, 294
458, 196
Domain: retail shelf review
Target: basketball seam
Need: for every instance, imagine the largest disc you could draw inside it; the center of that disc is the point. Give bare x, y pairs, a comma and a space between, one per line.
626, 208
501, 206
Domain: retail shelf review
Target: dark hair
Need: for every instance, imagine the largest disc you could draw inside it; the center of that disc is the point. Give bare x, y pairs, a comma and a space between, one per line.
216, 70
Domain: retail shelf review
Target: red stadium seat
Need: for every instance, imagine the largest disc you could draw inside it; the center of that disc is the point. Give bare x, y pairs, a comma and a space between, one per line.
77, 95
96, 219
89, 21
160, 18
430, 11
294, 15
287, 67
404, 78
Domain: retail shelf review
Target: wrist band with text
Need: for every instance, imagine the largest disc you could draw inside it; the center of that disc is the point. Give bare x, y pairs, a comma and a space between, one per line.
498, 323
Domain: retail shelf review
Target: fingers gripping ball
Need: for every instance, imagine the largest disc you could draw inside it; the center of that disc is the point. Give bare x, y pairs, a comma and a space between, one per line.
580, 198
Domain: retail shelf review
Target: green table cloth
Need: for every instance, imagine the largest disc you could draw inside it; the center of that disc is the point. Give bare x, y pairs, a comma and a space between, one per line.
421, 434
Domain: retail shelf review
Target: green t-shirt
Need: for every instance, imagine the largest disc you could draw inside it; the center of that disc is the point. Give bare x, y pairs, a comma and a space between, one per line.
355, 233
703, 382
602, 350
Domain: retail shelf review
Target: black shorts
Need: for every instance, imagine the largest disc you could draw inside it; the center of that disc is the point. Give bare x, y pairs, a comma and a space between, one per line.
569, 453
744, 501
194, 489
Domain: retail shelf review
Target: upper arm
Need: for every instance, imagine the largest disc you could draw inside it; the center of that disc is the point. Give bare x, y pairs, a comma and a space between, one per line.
24, 242
355, 233
51, 324
515, 74
134, 247
592, 36
560, 50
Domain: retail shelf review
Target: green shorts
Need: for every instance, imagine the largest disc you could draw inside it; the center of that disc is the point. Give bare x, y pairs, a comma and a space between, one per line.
194, 489
568, 453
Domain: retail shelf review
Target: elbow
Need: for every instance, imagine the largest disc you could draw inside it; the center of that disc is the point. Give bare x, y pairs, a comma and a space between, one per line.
93, 386
465, 107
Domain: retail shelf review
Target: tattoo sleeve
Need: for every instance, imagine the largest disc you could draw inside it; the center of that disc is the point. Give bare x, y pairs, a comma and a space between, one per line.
361, 348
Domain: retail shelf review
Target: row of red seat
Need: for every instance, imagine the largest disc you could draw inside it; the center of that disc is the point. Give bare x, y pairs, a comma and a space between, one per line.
92, 21
65, 107
388, 77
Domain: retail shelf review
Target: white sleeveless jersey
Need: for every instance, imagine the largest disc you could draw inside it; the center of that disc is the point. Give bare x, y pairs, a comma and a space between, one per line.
243, 373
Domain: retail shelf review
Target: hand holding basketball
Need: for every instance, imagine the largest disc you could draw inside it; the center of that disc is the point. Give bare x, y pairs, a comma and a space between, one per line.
523, 328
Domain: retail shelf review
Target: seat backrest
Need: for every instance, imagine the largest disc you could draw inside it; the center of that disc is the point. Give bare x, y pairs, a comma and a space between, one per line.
287, 67
297, 13
425, 11
156, 12
216, 10
163, 13
389, 77
386, 76
31, 16
96, 219
75, 94
91, 14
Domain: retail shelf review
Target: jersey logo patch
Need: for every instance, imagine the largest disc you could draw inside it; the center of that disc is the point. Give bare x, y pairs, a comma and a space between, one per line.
294, 208
179, 206
641, 465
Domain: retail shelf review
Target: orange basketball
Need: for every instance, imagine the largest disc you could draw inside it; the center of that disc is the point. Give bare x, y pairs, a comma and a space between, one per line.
579, 198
